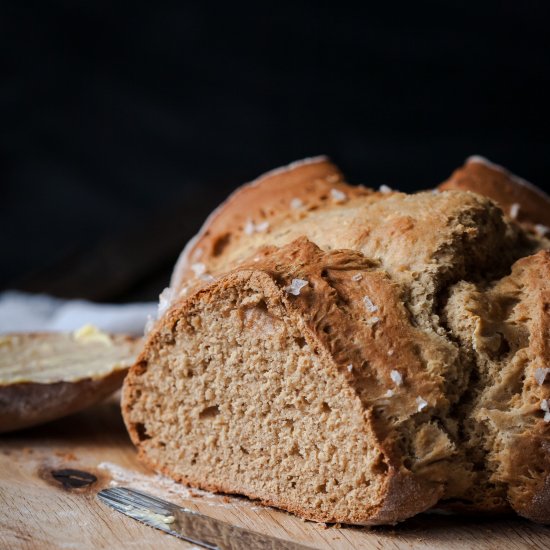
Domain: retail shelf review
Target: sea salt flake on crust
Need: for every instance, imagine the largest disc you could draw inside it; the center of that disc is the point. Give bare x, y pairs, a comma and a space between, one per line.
165, 299
296, 286
396, 377
422, 403
540, 375
370, 305
198, 268
262, 227
249, 227
338, 196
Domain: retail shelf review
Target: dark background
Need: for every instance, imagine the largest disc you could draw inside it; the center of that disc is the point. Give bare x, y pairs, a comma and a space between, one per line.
123, 125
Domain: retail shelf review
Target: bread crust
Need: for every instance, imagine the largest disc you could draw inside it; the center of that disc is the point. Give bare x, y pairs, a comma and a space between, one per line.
29, 403
430, 236
268, 198
491, 180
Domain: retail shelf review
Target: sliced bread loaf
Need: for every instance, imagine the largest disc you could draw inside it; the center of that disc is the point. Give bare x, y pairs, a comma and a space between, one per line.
327, 362
298, 380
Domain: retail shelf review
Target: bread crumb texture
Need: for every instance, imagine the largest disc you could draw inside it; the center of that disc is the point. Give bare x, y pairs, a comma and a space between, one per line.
359, 358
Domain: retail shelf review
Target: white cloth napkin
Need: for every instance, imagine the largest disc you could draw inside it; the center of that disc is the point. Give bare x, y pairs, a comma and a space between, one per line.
21, 312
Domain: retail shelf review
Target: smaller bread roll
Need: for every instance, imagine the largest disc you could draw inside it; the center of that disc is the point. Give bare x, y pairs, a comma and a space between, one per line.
45, 376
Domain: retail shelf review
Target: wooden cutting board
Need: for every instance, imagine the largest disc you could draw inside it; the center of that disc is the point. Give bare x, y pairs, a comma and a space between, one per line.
40, 510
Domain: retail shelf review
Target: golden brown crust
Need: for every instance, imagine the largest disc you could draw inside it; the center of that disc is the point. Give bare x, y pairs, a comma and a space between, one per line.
28, 404
529, 467
481, 176
420, 240
287, 193
406, 496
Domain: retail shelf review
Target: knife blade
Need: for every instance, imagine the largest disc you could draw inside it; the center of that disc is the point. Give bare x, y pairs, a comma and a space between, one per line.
188, 525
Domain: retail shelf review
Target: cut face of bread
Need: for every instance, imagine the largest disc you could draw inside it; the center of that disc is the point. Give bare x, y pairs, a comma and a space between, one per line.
299, 381
50, 375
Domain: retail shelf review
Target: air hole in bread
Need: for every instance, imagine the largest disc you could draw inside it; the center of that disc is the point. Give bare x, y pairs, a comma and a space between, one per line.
209, 412
141, 431
504, 348
301, 341
326, 407
294, 451
380, 466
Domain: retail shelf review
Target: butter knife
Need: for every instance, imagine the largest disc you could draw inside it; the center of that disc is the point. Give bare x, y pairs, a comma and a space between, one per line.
188, 525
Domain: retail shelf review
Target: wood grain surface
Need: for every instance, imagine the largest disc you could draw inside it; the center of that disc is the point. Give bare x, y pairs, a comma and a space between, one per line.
38, 512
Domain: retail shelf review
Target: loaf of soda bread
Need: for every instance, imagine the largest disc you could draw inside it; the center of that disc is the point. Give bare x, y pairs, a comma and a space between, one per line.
353, 355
